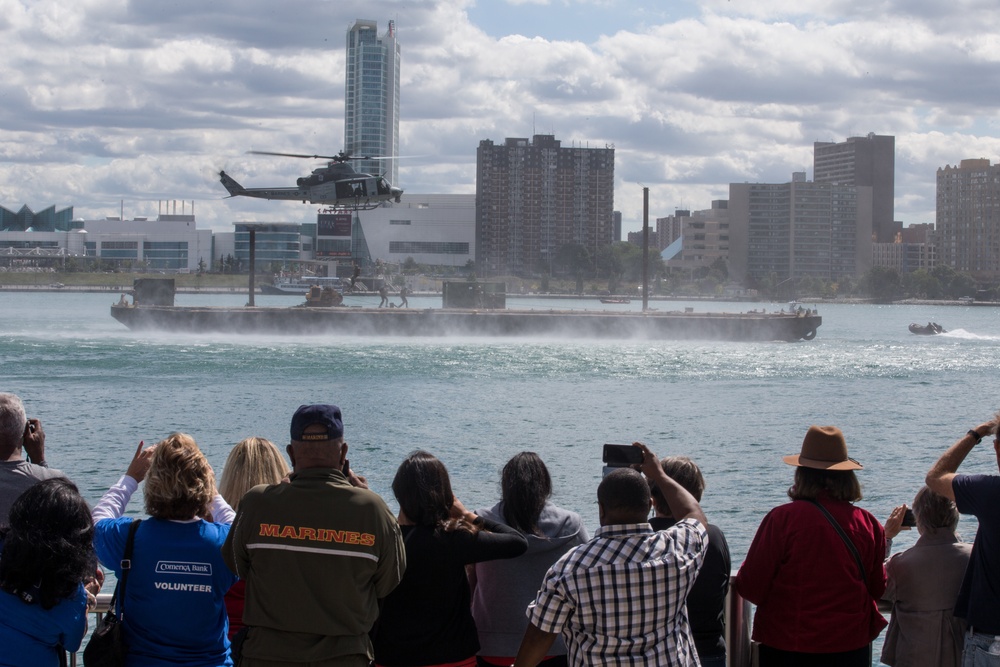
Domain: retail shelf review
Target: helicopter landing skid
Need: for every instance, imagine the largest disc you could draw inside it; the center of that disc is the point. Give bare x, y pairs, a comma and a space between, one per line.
357, 205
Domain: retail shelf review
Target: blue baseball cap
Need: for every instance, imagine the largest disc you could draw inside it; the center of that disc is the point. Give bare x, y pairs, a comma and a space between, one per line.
310, 415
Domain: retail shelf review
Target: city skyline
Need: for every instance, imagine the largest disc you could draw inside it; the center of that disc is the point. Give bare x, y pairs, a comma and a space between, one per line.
112, 106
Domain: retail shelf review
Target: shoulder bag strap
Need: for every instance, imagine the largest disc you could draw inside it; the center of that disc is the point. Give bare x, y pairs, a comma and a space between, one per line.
847, 541
114, 596
126, 564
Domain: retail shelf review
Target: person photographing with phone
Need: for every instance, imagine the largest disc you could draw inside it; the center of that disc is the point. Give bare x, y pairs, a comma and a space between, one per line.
978, 599
620, 598
923, 582
20, 436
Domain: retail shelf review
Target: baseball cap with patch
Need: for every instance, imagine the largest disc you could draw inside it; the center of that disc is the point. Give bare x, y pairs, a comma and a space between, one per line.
310, 415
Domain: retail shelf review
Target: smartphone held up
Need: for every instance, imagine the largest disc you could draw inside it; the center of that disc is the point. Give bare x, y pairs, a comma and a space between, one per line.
621, 456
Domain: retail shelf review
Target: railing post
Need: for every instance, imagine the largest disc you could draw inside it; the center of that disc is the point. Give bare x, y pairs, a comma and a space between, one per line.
737, 627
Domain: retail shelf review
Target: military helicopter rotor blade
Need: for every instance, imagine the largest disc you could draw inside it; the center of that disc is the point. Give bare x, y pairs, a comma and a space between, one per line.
380, 157
308, 157
340, 157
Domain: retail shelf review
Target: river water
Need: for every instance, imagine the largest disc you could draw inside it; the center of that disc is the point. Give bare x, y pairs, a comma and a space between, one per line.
735, 408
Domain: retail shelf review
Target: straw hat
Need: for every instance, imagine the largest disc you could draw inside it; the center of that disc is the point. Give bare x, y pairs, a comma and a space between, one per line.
823, 448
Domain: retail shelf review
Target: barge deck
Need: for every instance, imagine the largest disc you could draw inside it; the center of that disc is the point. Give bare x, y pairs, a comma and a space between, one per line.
661, 325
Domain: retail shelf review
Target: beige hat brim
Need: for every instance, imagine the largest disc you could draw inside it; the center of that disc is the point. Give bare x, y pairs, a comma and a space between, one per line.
800, 461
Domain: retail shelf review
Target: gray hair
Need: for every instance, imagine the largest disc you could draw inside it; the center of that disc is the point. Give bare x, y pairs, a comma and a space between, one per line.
933, 511
12, 420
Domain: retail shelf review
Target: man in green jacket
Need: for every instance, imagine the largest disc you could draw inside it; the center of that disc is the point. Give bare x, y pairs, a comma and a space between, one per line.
317, 554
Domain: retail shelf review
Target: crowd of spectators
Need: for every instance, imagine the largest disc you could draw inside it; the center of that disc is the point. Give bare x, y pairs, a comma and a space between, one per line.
305, 565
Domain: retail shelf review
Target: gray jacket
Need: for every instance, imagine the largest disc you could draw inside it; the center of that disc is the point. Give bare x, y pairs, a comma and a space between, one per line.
502, 589
16, 477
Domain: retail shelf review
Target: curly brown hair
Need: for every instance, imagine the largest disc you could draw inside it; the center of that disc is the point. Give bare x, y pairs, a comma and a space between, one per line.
180, 483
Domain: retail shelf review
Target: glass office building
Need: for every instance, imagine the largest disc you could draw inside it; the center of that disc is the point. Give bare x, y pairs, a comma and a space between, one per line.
371, 102
276, 242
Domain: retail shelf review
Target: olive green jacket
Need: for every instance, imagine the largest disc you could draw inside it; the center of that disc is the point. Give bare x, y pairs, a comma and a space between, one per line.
317, 554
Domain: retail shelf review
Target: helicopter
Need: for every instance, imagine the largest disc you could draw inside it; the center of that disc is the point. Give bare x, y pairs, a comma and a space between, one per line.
336, 185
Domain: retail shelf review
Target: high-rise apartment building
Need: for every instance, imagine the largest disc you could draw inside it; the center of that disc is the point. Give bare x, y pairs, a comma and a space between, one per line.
863, 161
968, 218
913, 250
668, 229
796, 229
635, 238
696, 239
534, 197
371, 103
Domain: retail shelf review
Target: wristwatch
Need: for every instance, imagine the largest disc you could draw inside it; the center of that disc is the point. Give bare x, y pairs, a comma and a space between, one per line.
975, 435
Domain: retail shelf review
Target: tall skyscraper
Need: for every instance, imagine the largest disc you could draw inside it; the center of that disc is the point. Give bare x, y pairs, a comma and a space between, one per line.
863, 161
371, 103
968, 218
534, 197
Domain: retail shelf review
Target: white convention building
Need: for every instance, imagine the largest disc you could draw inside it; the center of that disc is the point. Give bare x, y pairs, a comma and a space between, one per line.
432, 229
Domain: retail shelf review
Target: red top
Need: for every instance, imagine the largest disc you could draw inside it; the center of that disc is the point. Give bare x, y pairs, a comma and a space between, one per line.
234, 599
805, 582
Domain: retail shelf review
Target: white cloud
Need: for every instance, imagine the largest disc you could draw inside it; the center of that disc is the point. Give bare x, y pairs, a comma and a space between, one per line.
109, 100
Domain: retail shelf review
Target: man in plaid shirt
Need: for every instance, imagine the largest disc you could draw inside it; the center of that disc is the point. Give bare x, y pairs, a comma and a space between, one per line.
620, 598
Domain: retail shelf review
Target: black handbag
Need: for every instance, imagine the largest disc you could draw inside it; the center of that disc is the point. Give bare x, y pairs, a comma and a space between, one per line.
106, 647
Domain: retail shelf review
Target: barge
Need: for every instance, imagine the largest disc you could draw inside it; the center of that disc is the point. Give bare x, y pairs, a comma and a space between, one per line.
474, 322
470, 309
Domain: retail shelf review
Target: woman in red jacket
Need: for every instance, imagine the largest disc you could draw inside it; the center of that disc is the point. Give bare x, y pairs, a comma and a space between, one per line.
815, 568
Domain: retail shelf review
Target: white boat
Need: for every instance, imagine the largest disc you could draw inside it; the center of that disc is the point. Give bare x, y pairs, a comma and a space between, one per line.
300, 286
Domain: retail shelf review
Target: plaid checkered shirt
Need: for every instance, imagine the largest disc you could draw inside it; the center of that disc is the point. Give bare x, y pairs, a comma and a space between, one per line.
620, 598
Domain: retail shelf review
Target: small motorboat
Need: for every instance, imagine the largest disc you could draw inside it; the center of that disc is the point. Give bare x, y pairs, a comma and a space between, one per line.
930, 329
615, 300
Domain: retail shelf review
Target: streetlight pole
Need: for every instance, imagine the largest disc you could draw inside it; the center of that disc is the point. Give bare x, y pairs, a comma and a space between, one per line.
253, 264
645, 249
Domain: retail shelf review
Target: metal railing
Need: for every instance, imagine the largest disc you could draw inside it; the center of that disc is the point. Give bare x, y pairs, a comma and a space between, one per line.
737, 614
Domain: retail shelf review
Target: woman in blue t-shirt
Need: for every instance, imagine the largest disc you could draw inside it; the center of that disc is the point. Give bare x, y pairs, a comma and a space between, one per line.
47, 574
173, 604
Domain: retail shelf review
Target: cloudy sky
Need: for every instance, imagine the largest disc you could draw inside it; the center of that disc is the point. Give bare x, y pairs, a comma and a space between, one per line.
111, 104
